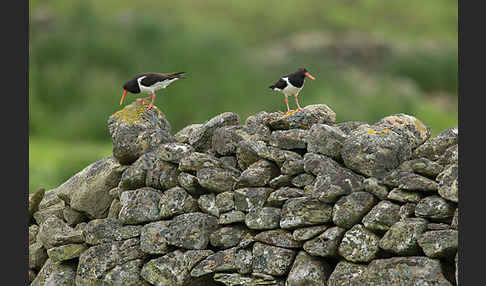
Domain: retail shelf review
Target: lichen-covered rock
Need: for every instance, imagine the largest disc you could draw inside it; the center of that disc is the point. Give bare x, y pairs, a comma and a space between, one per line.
434, 147
153, 237
326, 140
35, 200
229, 161
278, 237
88, 190
32, 275
231, 217
263, 218
37, 256
220, 261
134, 176
293, 164
439, 243
163, 175
247, 199
66, 252
422, 166
407, 210
196, 160
348, 274
338, 175
382, 216
98, 260
225, 139
72, 216
414, 182
375, 152
448, 183
404, 196
350, 209
434, 207
402, 237
140, 206
308, 271
247, 152
235, 279
191, 184
406, 271
306, 233
201, 137
183, 135
33, 231
359, 244
372, 186
258, 174
108, 230
289, 139
56, 210
176, 201
228, 236
173, 269
450, 156
217, 179
50, 198
207, 203
408, 126
327, 243
271, 259
257, 125
455, 219
279, 197
303, 180
54, 232
225, 201
312, 114
115, 209
135, 130
173, 152
56, 273
327, 192
191, 230
125, 274
300, 212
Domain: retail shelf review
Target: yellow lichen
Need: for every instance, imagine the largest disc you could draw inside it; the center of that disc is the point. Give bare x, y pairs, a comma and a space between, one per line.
130, 114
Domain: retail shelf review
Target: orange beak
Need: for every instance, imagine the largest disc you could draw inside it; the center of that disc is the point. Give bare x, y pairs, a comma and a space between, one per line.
309, 76
123, 97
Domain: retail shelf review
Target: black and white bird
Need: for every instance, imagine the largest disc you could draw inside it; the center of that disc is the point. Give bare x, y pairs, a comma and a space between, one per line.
291, 85
149, 82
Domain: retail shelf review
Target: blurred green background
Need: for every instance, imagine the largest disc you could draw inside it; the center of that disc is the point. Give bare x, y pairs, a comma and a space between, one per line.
370, 59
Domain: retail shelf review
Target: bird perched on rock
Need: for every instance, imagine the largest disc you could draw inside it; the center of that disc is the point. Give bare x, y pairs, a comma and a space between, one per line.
292, 84
149, 82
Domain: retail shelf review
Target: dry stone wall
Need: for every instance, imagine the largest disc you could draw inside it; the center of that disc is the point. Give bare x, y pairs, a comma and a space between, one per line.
278, 200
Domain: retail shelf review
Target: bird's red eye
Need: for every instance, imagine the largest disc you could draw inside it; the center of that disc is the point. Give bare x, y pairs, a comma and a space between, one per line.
302, 69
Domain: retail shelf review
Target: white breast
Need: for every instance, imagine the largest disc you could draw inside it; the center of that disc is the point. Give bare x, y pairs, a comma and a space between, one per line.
290, 89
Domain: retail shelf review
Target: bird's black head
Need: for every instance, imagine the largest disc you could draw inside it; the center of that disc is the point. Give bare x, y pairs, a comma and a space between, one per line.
132, 86
304, 73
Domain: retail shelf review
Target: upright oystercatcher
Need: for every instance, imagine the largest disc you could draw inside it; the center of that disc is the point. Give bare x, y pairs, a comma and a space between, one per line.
149, 82
292, 84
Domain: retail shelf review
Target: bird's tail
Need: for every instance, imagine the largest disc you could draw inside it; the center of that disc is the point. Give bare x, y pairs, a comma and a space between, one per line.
272, 86
178, 75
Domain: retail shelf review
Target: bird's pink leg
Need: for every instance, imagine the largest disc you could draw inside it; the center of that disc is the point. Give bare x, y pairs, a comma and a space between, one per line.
297, 102
152, 103
142, 100
287, 103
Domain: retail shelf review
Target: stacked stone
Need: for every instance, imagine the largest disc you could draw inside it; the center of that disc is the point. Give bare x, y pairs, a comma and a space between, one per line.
280, 200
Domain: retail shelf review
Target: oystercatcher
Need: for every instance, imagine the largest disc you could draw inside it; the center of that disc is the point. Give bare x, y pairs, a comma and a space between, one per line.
292, 84
149, 82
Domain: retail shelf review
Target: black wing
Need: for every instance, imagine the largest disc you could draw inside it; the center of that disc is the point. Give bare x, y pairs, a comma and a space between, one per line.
152, 78
280, 84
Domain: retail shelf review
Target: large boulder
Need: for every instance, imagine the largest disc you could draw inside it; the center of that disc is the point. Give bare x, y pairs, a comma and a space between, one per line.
201, 136
312, 114
136, 130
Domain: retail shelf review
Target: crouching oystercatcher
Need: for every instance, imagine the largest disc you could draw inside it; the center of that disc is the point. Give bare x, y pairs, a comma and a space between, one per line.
149, 83
292, 84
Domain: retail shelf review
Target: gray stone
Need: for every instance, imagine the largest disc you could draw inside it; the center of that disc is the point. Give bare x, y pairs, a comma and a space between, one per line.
434, 207
56, 273
312, 114
408, 126
173, 152
256, 125
125, 274
196, 160
411, 181
231, 217
191, 230
225, 139
37, 256
246, 153
422, 166
190, 183
448, 183
348, 274
66, 252
136, 130
406, 271
280, 196
350, 209
407, 210
50, 198
34, 201
371, 185
225, 201
33, 231
293, 164
450, 156
32, 275
278, 237
303, 180
247, 199
98, 260
163, 175
258, 174
359, 245
135, 175
300, 212
207, 203
437, 226
382, 216
115, 209
235, 279
56, 210
271, 259
244, 261
88, 190
402, 237
176, 201
439, 243
219, 261
306, 233
375, 152
183, 135
404, 196
217, 179
434, 147
140, 206
263, 218
173, 268
327, 243
153, 238
228, 236
326, 140
108, 230
201, 137
454, 223
54, 232
327, 192
229, 161
308, 271
350, 126
72, 216
289, 139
